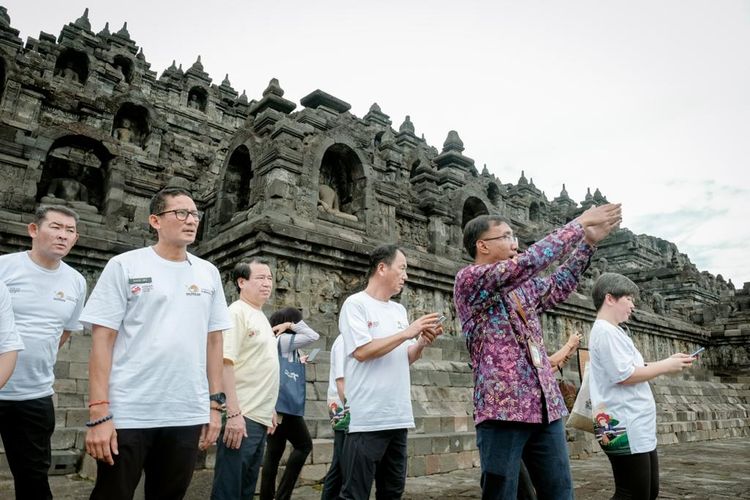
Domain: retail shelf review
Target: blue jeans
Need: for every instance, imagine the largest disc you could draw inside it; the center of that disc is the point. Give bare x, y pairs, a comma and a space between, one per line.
236, 471
502, 446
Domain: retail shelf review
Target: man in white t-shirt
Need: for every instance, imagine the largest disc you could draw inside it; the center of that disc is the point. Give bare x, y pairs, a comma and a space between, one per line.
155, 395
10, 341
380, 346
47, 296
251, 382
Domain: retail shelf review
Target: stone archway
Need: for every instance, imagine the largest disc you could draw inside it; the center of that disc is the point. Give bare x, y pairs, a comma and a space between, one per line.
72, 65
197, 98
2, 78
125, 66
73, 174
235, 187
473, 207
342, 183
131, 124
493, 194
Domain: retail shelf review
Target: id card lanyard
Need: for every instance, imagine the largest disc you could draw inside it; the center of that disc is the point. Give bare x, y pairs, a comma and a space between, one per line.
533, 347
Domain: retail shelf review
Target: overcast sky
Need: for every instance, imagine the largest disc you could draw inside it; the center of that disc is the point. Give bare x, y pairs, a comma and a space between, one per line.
648, 101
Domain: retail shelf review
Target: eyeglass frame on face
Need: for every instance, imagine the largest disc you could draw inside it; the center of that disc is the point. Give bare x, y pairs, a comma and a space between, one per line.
197, 214
511, 238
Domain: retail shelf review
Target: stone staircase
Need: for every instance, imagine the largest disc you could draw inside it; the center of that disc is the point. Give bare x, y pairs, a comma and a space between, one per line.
695, 406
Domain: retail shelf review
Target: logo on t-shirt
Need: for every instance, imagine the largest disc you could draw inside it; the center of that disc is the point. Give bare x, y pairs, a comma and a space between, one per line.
135, 289
61, 297
193, 290
373, 324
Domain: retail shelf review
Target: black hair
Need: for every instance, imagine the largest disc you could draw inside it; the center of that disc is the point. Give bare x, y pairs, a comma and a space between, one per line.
291, 314
385, 254
43, 210
159, 200
476, 227
242, 269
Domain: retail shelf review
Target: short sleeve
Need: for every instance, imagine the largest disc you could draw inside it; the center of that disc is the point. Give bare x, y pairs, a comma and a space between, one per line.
9, 338
234, 335
73, 324
616, 357
337, 360
108, 302
353, 326
219, 319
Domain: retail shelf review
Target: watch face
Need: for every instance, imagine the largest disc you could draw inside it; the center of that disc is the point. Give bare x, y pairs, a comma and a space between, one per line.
219, 397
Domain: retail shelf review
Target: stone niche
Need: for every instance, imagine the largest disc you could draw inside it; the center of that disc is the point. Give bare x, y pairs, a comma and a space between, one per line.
131, 125
235, 187
73, 174
473, 207
493, 194
72, 65
197, 99
342, 185
125, 66
2, 78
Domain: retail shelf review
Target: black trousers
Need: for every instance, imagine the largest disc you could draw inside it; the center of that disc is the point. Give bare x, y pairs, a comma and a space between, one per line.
166, 454
26, 428
335, 475
378, 456
636, 476
293, 429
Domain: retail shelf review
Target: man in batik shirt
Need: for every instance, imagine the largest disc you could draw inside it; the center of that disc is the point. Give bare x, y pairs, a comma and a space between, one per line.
518, 407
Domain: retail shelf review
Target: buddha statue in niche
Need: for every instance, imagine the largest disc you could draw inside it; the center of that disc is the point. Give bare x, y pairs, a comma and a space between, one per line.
70, 191
328, 201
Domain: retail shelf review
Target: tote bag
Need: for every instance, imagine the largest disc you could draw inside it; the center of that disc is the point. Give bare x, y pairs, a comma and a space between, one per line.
292, 387
581, 416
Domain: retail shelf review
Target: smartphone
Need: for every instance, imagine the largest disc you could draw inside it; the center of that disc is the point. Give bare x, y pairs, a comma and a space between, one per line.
441, 319
313, 354
698, 352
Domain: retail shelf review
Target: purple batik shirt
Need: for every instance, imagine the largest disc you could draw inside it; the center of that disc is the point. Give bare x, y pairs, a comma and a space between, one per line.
507, 386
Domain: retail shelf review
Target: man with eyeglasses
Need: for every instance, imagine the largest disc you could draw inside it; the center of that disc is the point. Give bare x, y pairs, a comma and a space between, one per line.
155, 369
518, 407
47, 297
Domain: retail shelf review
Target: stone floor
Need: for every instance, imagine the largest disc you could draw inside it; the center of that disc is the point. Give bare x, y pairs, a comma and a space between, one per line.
703, 470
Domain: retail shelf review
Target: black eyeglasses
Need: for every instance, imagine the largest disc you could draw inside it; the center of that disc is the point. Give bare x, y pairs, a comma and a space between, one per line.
510, 238
182, 214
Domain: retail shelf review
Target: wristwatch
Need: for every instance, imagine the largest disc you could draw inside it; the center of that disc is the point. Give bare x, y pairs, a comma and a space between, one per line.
219, 397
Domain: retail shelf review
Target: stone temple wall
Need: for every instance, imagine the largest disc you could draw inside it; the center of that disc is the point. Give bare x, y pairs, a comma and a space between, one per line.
86, 122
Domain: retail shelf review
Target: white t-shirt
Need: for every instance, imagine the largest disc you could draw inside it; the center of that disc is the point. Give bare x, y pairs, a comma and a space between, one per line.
162, 311
624, 414
9, 338
45, 303
378, 390
251, 346
338, 356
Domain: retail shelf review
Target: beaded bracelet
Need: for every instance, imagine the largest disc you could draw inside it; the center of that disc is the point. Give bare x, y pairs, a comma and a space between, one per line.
92, 423
237, 414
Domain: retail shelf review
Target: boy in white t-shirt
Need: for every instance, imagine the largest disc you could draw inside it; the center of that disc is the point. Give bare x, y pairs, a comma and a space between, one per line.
623, 406
47, 296
338, 410
380, 345
155, 389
